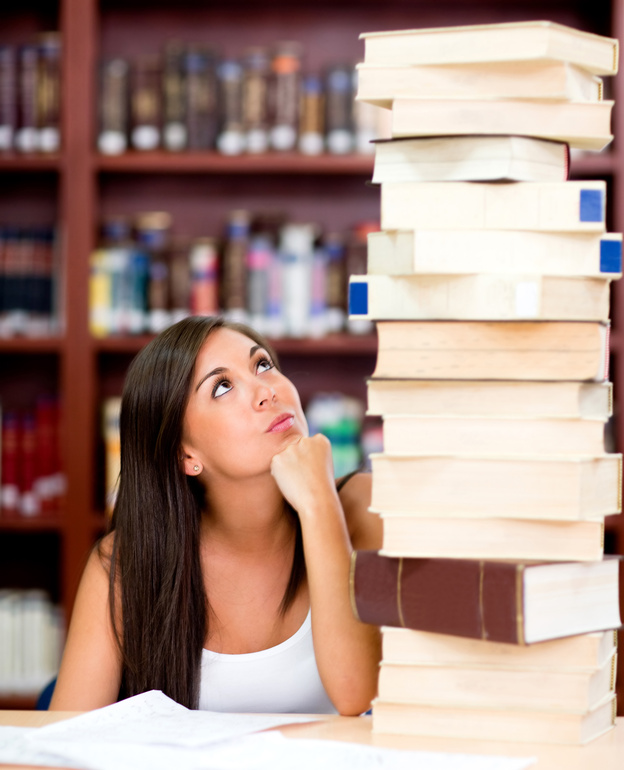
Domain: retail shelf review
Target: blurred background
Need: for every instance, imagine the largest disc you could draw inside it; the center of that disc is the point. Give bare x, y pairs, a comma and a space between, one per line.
159, 159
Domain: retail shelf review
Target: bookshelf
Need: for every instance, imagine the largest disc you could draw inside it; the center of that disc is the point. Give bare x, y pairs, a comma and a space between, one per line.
77, 186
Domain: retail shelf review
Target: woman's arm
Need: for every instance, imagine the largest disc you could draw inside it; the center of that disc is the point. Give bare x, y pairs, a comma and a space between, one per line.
347, 651
90, 672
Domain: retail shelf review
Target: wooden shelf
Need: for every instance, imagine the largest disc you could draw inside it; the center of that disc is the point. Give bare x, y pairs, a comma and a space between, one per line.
29, 162
52, 344
333, 344
34, 524
213, 162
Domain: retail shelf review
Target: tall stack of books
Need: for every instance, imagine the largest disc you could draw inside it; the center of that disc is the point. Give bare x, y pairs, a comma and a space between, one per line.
489, 286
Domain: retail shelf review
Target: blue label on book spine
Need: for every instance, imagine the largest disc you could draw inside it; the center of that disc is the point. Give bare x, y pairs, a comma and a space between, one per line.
358, 298
592, 206
610, 256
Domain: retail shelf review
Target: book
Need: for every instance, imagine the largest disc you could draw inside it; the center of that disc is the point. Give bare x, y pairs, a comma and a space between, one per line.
582, 125
582, 651
489, 686
474, 434
442, 252
514, 602
590, 400
536, 726
458, 486
504, 350
573, 206
478, 297
493, 42
381, 84
111, 410
492, 538
470, 158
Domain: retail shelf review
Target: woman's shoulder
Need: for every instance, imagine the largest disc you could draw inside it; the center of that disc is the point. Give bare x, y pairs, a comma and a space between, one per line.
355, 496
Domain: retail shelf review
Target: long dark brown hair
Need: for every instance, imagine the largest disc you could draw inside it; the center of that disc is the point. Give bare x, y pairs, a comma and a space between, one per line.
155, 567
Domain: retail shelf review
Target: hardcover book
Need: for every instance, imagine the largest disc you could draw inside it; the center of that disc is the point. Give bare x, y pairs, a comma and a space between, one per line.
470, 158
494, 724
515, 602
583, 125
458, 252
511, 398
479, 297
524, 40
381, 84
503, 350
573, 206
521, 486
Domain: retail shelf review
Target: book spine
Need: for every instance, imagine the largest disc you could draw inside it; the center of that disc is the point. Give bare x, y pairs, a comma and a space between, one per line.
175, 135
49, 93
114, 107
255, 99
27, 135
462, 597
284, 99
146, 103
8, 97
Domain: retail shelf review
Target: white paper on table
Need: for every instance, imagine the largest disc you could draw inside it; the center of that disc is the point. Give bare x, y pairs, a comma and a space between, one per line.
151, 730
153, 718
266, 751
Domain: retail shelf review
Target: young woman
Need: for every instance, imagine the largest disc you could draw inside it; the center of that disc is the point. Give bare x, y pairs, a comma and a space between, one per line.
224, 581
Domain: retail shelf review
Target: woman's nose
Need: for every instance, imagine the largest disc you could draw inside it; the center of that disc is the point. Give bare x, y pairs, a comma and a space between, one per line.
265, 395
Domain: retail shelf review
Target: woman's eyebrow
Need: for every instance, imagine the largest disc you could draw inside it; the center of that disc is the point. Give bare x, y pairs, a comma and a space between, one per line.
218, 370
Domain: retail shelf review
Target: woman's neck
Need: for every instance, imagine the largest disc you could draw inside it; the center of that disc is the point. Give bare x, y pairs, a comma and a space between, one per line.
248, 516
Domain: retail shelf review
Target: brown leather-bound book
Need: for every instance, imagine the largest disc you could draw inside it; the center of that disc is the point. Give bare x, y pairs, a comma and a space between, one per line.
502, 601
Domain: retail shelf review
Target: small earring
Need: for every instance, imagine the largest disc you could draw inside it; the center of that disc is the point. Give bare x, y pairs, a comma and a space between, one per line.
196, 468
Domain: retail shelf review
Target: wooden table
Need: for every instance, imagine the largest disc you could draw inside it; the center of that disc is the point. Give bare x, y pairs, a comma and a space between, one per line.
605, 753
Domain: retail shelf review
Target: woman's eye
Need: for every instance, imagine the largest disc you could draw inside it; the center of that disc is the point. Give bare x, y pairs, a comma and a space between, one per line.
221, 387
264, 365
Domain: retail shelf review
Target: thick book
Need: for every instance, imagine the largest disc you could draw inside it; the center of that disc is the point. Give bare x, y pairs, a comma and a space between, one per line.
496, 486
470, 158
582, 125
491, 538
495, 724
380, 84
497, 686
503, 350
573, 206
582, 651
510, 398
499, 601
458, 252
524, 40
481, 434
480, 297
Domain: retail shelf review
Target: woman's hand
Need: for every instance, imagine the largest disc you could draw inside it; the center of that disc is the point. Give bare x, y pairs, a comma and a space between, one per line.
304, 472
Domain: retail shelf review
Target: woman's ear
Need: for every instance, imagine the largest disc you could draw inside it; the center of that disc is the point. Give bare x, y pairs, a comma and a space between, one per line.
192, 466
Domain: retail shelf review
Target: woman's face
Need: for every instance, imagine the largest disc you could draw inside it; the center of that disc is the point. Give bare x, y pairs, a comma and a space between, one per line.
241, 410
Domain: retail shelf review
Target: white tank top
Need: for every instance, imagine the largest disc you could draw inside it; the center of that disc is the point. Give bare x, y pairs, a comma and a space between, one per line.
281, 680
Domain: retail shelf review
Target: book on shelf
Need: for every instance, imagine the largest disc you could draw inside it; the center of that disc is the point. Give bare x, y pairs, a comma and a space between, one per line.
563, 487
582, 651
381, 84
478, 297
442, 252
510, 41
492, 538
582, 125
513, 602
503, 350
573, 206
497, 686
511, 398
470, 158
480, 434
111, 410
495, 724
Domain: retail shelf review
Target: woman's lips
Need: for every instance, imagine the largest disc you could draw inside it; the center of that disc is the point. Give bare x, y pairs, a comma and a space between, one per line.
281, 423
